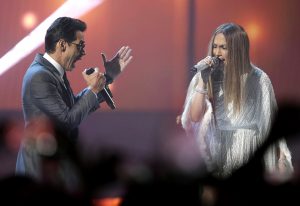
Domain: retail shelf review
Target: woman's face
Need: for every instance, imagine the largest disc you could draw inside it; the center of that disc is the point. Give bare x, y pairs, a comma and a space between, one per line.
220, 47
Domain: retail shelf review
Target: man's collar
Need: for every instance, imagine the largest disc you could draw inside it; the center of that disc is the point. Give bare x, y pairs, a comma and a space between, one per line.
55, 64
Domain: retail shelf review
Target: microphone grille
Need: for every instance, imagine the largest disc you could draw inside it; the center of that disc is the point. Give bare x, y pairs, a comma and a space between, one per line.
216, 62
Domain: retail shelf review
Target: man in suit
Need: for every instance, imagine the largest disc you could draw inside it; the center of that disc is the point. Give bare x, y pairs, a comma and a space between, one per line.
48, 98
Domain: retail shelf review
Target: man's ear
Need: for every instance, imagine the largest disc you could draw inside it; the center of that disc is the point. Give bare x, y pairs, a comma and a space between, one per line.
61, 45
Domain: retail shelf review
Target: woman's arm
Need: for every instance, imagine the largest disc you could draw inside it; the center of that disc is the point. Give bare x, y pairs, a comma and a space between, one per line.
198, 105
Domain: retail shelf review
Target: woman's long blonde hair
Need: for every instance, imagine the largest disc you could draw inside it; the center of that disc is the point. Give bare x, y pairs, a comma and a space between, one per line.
237, 63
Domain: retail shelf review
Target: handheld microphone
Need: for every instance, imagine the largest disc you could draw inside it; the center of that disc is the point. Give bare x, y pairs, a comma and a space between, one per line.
105, 92
202, 65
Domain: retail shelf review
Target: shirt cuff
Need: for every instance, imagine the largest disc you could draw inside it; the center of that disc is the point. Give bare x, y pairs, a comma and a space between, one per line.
93, 92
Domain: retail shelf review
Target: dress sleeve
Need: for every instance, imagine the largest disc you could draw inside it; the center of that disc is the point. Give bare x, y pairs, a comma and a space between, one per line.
278, 157
202, 131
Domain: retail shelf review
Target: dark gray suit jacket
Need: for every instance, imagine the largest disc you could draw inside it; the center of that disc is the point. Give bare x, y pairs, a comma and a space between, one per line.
44, 94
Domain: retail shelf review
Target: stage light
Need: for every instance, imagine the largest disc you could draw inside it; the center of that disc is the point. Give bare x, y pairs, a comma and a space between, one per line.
71, 8
29, 20
254, 31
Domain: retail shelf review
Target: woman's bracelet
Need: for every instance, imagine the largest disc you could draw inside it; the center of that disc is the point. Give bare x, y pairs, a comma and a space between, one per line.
200, 90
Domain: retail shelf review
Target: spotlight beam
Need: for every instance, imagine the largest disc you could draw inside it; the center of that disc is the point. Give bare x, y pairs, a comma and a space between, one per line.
72, 8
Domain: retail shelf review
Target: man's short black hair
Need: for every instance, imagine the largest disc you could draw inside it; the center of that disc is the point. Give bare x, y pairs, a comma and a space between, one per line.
62, 28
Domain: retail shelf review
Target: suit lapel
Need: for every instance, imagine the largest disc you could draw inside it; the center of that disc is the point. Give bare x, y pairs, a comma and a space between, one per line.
67, 96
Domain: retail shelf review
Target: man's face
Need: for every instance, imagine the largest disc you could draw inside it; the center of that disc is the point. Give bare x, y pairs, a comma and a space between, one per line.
74, 52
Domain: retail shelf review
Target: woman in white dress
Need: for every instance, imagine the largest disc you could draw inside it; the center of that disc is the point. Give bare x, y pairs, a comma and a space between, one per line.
230, 106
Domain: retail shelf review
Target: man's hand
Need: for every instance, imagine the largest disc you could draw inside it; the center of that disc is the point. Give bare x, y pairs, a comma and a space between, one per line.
96, 81
118, 63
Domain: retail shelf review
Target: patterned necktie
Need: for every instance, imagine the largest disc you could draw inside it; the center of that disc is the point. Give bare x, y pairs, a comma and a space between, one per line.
69, 90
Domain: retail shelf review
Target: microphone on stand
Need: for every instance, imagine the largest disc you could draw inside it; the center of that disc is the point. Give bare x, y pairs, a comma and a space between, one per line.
105, 92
